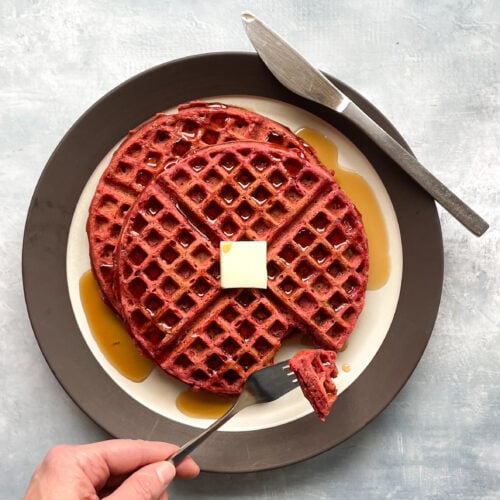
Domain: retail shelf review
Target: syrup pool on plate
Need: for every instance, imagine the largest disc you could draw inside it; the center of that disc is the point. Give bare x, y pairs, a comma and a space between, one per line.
203, 404
109, 333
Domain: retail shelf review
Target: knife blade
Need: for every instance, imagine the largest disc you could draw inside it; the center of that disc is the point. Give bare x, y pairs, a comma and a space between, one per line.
294, 72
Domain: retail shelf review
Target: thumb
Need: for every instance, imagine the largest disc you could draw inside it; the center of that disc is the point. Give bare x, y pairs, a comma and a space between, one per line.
148, 483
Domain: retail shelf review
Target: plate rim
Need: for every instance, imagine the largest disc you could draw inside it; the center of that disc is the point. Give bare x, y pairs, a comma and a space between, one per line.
47, 229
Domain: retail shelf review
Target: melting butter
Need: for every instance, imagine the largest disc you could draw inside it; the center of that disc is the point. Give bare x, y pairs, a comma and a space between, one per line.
243, 264
226, 246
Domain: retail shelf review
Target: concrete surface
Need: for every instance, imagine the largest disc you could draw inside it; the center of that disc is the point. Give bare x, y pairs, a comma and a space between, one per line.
432, 67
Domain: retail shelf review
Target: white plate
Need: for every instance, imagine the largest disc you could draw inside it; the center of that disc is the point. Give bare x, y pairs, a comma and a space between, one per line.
159, 391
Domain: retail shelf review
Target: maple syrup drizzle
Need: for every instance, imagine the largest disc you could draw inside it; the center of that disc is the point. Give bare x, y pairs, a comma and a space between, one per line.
363, 197
109, 333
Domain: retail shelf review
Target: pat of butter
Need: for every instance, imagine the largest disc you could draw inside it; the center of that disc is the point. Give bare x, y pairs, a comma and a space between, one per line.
243, 264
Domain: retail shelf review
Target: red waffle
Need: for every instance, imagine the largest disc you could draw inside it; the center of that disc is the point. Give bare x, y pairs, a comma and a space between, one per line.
168, 262
149, 149
315, 370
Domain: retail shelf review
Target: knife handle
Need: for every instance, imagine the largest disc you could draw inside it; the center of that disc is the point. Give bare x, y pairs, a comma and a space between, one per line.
448, 200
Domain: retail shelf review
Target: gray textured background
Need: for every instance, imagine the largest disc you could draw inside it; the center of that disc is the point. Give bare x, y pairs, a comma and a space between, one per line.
432, 67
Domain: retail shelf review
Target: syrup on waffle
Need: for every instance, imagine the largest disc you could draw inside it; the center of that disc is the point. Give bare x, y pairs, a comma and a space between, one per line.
149, 149
168, 262
315, 370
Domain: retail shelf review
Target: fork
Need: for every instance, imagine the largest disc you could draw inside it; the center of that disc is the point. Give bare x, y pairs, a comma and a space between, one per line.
262, 386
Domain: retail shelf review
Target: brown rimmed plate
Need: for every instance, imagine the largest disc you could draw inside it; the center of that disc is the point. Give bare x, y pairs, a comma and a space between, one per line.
50, 309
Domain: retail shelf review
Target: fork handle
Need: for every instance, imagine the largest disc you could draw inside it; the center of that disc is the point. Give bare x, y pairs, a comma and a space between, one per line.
242, 402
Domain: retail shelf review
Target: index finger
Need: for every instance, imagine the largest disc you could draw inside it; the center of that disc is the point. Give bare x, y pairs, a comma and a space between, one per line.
122, 456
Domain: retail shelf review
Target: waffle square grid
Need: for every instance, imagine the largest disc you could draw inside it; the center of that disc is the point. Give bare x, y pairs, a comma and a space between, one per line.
168, 272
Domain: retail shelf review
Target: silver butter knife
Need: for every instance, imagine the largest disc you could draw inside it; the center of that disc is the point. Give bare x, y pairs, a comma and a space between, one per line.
295, 73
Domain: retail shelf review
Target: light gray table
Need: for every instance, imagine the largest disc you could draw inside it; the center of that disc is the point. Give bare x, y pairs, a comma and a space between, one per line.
431, 67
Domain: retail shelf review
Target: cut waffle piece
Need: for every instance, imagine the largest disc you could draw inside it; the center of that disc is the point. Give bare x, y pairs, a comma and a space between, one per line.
315, 370
168, 262
149, 149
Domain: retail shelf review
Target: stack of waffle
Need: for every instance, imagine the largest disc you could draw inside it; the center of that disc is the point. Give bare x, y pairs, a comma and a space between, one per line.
180, 184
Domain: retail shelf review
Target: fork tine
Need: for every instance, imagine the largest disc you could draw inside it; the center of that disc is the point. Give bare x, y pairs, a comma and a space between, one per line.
272, 382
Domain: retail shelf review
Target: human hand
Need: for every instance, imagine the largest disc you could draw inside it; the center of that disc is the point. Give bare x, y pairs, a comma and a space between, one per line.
124, 469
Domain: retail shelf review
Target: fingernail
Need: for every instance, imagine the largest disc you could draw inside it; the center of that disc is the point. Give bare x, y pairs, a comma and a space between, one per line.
166, 472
